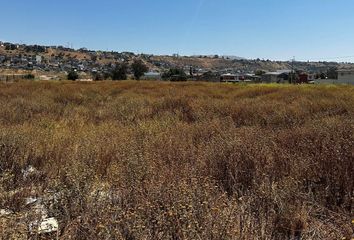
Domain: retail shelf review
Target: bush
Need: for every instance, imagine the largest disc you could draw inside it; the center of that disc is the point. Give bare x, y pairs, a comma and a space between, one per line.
120, 72
29, 76
175, 74
10, 47
98, 77
139, 68
73, 75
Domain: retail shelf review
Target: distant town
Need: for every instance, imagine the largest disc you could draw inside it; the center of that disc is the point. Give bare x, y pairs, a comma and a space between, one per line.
20, 61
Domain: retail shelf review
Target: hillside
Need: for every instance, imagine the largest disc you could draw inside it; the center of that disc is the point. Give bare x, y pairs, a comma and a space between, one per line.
56, 58
246, 65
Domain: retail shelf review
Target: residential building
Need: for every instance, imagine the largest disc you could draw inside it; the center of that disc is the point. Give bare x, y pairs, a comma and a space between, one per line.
305, 78
280, 76
345, 76
38, 59
250, 77
152, 76
230, 77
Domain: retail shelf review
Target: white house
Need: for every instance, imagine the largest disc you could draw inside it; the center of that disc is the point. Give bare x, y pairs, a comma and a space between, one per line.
38, 59
233, 78
346, 76
151, 76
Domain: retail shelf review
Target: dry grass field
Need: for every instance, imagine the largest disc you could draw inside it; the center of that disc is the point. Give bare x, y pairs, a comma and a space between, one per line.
152, 160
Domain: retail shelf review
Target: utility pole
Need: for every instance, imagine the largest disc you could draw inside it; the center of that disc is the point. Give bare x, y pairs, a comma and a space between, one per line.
292, 70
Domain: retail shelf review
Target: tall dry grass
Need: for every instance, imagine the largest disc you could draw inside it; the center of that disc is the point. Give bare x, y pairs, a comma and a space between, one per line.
150, 160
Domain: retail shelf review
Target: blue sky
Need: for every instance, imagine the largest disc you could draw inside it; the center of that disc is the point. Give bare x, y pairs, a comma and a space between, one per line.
274, 29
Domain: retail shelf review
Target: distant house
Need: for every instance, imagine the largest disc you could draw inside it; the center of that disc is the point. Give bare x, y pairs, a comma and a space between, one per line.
345, 76
152, 76
209, 76
281, 76
39, 59
81, 67
13, 77
305, 78
311, 77
229, 77
250, 77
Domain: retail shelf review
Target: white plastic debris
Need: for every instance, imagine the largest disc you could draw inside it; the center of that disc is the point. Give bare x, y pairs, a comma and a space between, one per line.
37, 206
30, 200
30, 170
5, 212
47, 225
41, 210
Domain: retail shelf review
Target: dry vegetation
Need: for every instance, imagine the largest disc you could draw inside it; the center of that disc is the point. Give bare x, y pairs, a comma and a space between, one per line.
143, 160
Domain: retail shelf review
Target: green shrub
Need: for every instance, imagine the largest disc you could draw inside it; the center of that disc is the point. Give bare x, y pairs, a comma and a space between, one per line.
73, 76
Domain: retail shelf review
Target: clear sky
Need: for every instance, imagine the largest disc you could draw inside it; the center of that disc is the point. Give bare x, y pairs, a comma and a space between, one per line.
274, 29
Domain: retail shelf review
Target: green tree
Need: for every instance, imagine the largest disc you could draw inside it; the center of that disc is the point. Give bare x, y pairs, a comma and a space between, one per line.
97, 77
72, 75
93, 58
29, 76
175, 74
139, 68
332, 73
120, 72
259, 72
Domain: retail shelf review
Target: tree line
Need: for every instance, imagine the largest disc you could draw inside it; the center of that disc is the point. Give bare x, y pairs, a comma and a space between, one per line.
119, 72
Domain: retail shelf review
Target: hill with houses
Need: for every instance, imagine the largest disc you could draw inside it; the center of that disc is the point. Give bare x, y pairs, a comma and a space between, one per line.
59, 59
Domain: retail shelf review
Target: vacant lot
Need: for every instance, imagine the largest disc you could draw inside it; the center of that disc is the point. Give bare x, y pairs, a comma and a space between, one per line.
143, 160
